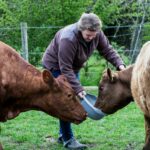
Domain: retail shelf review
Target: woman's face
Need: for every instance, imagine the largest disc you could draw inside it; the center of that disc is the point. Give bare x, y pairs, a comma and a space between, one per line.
88, 35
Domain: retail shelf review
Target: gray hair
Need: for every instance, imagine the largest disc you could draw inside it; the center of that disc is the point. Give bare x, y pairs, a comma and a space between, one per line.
89, 21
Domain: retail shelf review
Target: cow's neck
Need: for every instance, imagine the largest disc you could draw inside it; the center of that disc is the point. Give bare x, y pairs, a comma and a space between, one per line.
32, 86
31, 83
25, 93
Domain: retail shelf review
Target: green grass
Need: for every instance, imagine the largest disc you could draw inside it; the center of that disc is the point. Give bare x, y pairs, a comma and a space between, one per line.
123, 130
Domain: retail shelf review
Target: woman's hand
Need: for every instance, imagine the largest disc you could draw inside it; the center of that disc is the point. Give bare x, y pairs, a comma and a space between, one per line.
81, 94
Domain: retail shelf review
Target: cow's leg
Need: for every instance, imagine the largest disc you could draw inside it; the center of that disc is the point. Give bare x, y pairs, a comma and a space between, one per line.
147, 130
1, 148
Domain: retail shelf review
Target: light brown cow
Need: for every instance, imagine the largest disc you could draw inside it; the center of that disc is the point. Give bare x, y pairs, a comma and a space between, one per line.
117, 89
140, 85
23, 88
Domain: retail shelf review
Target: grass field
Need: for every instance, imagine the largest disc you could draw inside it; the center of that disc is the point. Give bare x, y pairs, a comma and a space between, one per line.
121, 131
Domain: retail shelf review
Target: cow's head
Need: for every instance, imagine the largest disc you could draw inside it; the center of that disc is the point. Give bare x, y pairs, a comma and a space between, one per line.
61, 100
114, 90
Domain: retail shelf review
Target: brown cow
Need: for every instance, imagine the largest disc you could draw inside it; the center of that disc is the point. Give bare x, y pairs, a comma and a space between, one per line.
23, 88
117, 89
114, 90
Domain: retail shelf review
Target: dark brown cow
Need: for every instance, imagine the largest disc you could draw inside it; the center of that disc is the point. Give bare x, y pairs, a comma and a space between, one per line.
117, 89
23, 88
114, 90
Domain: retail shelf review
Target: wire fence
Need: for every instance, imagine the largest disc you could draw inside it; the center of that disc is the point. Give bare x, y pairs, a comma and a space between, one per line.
28, 41
131, 40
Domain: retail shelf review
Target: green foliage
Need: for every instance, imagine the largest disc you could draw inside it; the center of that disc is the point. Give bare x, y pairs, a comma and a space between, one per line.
35, 56
39, 14
146, 34
123, 53
120, 12
107, 10
129, 14
45, 17
91, 73
59, 13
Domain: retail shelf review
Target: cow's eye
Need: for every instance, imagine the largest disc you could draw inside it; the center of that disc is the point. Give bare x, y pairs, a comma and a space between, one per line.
101, 88
69, 95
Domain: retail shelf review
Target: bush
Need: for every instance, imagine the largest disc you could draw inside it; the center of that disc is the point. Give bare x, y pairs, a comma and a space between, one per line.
93, 69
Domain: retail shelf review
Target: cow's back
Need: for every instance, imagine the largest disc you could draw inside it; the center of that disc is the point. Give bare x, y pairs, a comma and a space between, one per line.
9, 58
140, 83
15, 72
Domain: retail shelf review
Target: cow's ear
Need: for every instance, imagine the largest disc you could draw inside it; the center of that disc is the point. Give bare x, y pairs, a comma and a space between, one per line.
47, 77
110, 75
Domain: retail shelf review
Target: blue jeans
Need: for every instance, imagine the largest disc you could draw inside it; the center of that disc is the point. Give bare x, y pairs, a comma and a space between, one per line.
64, 127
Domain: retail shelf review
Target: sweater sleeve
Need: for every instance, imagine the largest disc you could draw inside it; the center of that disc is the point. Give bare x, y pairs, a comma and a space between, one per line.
66, 56
107, 51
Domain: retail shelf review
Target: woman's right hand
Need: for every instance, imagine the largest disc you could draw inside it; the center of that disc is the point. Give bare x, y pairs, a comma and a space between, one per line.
81, 94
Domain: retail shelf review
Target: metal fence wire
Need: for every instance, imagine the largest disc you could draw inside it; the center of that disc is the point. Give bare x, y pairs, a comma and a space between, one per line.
28, 41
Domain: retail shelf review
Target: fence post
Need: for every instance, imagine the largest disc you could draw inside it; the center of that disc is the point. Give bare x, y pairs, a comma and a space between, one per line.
24, 39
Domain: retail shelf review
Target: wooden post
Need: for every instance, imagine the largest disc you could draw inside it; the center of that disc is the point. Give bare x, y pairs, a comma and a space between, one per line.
24, 39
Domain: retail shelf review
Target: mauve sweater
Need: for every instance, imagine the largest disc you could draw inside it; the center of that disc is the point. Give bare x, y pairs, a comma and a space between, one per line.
68, 51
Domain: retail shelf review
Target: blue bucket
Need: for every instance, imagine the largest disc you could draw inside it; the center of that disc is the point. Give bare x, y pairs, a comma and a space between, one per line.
88, 103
